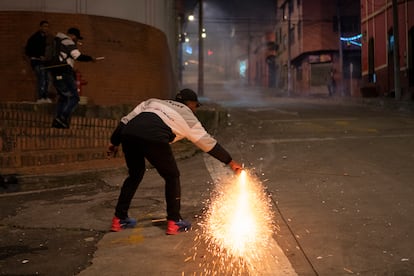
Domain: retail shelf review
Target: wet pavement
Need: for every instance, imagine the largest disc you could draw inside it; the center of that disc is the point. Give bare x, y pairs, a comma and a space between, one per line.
339, 175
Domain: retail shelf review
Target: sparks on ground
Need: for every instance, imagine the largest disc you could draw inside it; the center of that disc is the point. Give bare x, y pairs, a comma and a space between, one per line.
238, 225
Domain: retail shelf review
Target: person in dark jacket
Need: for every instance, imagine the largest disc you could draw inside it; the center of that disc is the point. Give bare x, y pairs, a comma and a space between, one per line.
64, 77
35, 51
146, 133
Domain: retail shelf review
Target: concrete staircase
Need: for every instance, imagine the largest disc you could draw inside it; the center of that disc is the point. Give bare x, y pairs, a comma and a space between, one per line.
29, 146
27, 140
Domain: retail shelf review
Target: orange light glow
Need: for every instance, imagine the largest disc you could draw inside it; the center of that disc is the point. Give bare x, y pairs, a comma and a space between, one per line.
238, 226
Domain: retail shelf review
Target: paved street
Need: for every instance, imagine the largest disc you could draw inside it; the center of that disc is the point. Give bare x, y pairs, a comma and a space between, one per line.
340, 175
342, 179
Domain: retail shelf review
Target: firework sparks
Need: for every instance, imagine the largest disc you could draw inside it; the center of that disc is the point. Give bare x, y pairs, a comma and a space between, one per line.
238, 226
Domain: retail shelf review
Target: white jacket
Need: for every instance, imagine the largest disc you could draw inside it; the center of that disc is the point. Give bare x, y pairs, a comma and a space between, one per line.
180, 118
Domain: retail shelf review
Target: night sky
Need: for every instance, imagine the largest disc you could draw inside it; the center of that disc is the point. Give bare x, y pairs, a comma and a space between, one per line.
259, 15
247, 8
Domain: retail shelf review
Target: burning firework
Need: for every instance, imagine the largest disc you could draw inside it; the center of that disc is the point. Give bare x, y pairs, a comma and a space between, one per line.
237, 227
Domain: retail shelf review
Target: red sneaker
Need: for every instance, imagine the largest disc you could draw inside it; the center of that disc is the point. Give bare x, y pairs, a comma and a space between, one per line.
175, 227
119, 224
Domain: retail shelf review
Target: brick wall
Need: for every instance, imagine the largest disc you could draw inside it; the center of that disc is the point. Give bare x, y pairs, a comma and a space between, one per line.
27, 140
28, 143
137, 62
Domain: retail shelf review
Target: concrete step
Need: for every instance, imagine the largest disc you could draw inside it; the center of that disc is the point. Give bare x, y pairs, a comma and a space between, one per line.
61, 173
27, 140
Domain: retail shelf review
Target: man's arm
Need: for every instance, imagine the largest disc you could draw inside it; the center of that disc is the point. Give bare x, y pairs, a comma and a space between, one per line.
115, 140
222, 155
116, 135
83, 57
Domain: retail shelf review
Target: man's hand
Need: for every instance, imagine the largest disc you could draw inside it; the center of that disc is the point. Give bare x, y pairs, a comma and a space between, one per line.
112, 151
236, 167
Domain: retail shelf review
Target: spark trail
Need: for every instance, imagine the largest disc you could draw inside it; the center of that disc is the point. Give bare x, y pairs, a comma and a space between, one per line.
237, 227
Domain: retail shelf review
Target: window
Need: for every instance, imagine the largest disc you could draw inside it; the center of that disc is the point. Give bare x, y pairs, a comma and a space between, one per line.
292, 35
299, 73
371, 63
279, 36
410, 55
391, 41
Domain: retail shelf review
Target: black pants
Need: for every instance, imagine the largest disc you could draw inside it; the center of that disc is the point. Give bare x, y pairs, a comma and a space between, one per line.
160, 155
64, 80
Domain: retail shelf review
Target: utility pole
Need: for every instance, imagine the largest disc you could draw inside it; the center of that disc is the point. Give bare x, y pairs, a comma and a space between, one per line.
249, 63
397, 84
200, 50
339, 86
289, 42
180, 23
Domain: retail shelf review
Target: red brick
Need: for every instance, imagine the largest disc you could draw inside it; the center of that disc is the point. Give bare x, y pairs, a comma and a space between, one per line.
137, 61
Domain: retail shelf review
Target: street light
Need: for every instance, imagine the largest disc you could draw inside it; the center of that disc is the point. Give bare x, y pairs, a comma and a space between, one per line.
201, 35
200, 50
287, 17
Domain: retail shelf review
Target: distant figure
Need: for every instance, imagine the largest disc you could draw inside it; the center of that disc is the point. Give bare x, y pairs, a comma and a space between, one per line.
35, 50
64, 77
331, 83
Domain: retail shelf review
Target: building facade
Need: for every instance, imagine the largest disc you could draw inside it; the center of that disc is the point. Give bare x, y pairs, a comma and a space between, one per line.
378, 18
318, 47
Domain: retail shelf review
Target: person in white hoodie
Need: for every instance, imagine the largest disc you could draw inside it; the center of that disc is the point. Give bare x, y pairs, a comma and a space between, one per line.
146, 133
64, 76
